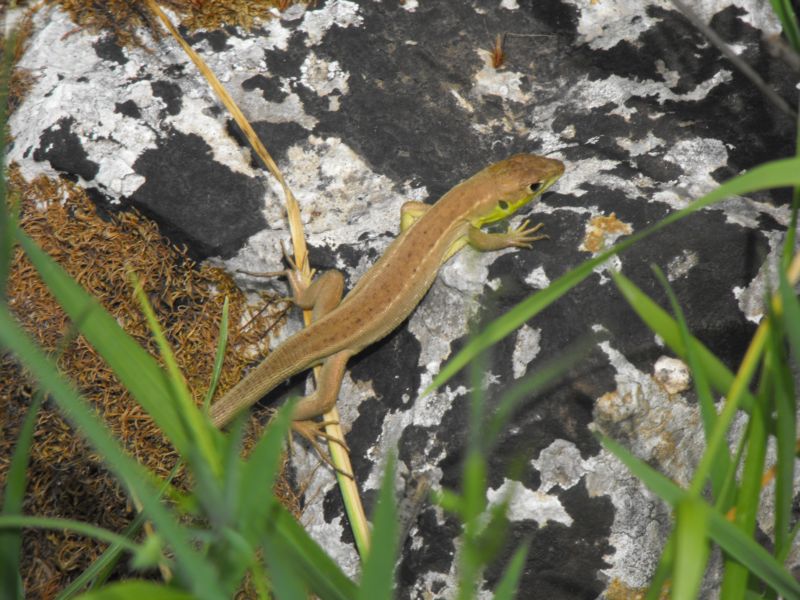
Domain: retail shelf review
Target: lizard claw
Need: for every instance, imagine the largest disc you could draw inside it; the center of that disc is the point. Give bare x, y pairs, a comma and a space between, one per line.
523, 237
292, 263
293, 273
316, 429
288, 257
311, 430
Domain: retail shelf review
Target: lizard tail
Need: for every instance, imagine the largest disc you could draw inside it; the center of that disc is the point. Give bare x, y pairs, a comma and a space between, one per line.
281, 364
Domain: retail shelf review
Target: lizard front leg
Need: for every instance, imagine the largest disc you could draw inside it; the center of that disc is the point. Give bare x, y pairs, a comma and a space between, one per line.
410, 213
521, 237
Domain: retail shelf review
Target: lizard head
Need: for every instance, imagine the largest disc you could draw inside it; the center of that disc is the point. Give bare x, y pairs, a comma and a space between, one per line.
514, 182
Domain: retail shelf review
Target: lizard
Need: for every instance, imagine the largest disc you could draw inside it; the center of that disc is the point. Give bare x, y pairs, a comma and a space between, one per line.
390, 290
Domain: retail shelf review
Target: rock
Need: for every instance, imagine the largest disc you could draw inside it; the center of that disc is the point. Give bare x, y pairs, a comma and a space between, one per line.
367, 105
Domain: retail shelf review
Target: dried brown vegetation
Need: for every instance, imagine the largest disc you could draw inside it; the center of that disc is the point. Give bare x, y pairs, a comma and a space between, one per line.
124, 16
66, 479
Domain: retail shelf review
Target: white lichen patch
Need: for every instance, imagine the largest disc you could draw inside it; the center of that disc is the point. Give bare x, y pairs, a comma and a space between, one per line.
323, 77
560, 464
528, 505
646, 145
605, 23
468, 271
537, 278
595, 172
526, 348
289, 110
195, 119
342, 201
658, 426
434, 328
245, 58
747, 212
618, 90
341, 197
339, 13
698, 158
672, 374
680, 266
751, 298
641, 522
72, 84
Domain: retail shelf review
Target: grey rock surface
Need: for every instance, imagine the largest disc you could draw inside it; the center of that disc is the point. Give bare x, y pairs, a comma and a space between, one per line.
367, 105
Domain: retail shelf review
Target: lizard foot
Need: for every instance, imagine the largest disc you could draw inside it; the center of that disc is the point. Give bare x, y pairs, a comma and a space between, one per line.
523, 237
311, 431
293, 268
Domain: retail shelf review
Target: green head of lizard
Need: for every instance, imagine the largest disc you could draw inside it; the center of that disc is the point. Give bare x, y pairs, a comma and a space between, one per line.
518, 180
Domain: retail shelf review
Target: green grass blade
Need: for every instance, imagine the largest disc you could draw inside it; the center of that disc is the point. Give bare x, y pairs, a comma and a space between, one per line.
197, 572
99, 571
196, 426
136, 369
136, 590
781, 173
470, 508
87, 529
729, 487
785, 13
791, 312
791, 231
13, 496
783, 556
528, 386
259, 474
718, 438
224, 509
6, 240
691, 552
219, 357
665, 326
507, 588
286, 582
663, 570
784, 424
377, 577
731, 539
734, 582
309, 561
747, 551
721, 462
474, 488
477, 403
663, 487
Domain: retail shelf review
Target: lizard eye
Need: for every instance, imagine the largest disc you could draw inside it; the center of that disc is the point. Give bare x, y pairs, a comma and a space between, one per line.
535, 187
503, 205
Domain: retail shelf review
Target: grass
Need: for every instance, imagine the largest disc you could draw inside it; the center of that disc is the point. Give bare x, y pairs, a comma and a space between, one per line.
205, 540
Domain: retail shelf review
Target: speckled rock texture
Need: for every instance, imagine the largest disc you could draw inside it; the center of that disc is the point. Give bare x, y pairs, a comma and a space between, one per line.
366, 105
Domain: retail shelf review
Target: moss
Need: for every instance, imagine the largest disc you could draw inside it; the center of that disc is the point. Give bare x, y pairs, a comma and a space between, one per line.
122, 17
66, 478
